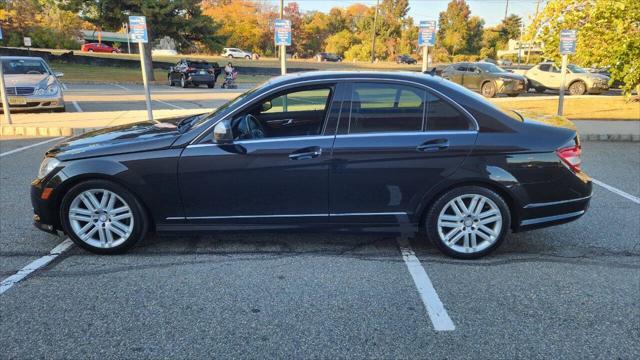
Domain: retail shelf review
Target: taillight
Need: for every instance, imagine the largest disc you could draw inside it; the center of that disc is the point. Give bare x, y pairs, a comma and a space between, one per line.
189, 69
571, 157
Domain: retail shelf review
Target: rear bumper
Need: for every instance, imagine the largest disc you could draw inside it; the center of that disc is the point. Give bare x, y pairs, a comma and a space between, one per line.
201, 79
539, 215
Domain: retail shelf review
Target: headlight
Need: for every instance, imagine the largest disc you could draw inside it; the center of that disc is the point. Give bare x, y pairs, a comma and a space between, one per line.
48, 164
50, 90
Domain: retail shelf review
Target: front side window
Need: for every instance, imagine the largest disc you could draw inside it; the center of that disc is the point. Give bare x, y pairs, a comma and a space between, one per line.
306, 100
442, 116
386, 108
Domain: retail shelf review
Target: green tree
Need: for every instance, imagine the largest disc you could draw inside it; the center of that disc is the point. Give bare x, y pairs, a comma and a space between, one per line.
454, 32
608, 34
182, 20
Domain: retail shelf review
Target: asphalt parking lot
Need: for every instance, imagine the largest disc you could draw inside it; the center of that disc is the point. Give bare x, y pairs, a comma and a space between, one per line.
565, 292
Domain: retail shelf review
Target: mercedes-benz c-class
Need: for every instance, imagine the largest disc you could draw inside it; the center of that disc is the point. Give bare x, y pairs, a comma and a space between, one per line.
346, 151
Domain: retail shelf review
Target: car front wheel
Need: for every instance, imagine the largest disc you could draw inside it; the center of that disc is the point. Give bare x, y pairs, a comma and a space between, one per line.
103, 217
489, 89
468, 222
578, 88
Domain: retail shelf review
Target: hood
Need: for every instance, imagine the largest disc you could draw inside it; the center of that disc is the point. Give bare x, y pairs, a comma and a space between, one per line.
510, 75
136, 137
29, 80
595, 76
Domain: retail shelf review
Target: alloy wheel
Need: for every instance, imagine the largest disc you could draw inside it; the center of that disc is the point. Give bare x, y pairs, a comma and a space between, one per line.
101, 218
469, 223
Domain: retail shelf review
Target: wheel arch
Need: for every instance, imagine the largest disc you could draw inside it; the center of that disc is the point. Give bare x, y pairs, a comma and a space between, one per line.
494, 186
69, 183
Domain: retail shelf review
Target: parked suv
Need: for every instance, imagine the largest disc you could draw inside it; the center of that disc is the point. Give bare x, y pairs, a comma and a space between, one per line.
405, 59
328, 57
191, 72
547, 75
236, 53
99, 47
486, 78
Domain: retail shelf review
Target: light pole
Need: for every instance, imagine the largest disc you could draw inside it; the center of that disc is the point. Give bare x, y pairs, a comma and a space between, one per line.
373, 35
283, 48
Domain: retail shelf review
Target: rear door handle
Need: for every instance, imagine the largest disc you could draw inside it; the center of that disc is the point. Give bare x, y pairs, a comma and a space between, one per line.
433, 145
306, 153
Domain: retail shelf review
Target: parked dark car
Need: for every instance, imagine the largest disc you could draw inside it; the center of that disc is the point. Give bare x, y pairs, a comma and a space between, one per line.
328, 57
486, 78
194, 72
360, 151
405, 59
99, 47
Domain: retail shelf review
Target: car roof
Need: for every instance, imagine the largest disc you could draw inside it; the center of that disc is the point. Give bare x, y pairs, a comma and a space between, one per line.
22, 58
365, 75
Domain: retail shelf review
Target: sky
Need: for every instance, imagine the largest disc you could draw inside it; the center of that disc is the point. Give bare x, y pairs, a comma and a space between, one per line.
492, 11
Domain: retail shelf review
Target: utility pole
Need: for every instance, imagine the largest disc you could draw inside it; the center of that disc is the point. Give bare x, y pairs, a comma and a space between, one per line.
373, 35
534, 35
506, 10
5, 100
283, 48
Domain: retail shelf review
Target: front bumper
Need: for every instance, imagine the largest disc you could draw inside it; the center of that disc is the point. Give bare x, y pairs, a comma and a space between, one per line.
32, 103
45, 215
512, 87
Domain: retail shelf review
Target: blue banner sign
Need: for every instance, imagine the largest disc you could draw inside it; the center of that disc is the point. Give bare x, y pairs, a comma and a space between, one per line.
427, 33
567, 42
283, 32
138, 29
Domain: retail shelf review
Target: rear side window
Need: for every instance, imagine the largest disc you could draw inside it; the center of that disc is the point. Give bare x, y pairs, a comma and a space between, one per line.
386, 108
442, 116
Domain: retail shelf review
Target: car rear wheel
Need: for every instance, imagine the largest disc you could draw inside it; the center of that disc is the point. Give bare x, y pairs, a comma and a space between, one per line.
578, 88
468, 222
183, 82
90, 50
211, 85
230, 56
489, 89
103, 217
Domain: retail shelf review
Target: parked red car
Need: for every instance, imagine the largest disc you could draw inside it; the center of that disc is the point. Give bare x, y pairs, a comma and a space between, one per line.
97, 47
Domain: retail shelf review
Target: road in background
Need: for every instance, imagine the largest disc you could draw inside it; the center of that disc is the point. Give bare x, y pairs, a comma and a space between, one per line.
565, 292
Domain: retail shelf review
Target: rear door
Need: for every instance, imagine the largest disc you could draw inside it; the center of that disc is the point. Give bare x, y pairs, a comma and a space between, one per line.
397, 141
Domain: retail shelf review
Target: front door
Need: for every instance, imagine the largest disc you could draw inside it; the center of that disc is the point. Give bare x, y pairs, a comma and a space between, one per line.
386, 156
277, 174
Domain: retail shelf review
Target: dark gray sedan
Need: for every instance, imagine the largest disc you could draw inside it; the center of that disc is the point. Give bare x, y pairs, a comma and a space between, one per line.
486, 78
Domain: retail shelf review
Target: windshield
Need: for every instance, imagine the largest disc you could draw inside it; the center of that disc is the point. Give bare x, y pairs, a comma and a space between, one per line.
23, 66
576, 69
199, 65
490, 68
198, 121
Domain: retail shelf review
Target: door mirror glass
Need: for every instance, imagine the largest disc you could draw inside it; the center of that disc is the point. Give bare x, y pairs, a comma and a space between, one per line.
266, 106
222, 133
58, 74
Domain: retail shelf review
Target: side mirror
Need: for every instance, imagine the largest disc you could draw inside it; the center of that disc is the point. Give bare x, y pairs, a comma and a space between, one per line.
266, 106
478, 71
222, 133
58, 74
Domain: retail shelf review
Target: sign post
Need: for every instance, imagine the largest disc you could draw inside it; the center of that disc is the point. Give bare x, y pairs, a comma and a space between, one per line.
3, 91
426, 38
283, 39
138, 28
567, 46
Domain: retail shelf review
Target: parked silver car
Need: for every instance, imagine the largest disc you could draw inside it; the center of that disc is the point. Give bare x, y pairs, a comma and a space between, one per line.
236, 53
31, 84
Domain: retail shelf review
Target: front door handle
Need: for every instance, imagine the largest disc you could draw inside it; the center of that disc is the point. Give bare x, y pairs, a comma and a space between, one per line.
306, 153
280, 122
433, 145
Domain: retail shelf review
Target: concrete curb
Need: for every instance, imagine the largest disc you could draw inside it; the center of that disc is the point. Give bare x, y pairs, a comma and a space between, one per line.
37, 131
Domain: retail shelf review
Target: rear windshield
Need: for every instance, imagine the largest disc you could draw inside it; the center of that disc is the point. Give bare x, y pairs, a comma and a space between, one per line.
199, 65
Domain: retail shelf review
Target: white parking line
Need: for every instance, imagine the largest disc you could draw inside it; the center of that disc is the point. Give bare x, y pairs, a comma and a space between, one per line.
7, 283
437, 313
635, 199
121, 87
169, 104
28, 146
75, 105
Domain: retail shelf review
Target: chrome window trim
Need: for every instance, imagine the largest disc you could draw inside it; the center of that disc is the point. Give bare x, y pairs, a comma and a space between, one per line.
199, 137
399, 213
406, 133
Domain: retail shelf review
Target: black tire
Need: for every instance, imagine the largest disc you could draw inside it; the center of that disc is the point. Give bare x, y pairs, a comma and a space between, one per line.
170, 81
140, 219
211, 85
230, 56
513, 95
247, 57
433, 213
183, 82
488, 89
539, 90
578, 88
90, 50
